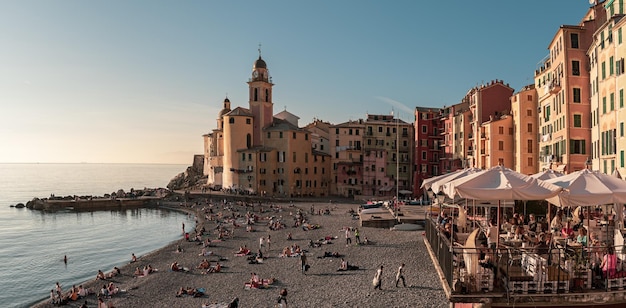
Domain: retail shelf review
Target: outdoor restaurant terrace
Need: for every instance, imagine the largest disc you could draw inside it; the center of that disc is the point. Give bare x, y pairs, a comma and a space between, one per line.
566, 249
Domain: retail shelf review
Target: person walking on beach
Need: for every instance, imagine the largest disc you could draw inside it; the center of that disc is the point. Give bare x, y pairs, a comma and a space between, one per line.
268, 241
400, 275
378, 279
303, 262
357, 236
348, 239
282, 297
261, 243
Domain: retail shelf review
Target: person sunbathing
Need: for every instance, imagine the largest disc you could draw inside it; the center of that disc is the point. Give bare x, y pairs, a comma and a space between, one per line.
138, 272
205, 264
100, 275
116, 271
112, 289
215, 269
175, 267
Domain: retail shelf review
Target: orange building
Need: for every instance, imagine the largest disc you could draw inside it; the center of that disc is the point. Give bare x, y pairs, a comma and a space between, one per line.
524, 110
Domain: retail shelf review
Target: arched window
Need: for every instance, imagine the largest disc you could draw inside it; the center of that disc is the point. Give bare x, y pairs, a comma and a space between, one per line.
248, 141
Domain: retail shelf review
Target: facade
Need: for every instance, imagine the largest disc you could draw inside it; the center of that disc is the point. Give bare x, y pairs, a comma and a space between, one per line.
606, 62
347, 155
496, 138
562, 83
524, 111
486, 102
429, 146
388, 146
254, 151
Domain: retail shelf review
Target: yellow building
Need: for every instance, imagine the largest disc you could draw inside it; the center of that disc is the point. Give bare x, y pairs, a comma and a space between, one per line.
254, 151
607, 94
524, 110
496, 138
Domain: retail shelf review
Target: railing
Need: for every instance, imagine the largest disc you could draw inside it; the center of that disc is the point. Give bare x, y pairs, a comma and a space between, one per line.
441, 248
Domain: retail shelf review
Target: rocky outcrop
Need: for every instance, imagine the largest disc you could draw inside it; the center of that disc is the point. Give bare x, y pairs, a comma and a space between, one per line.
191, 178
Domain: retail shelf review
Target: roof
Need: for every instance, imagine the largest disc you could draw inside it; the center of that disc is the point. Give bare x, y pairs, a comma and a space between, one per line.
281, 125
259, 63
239, 111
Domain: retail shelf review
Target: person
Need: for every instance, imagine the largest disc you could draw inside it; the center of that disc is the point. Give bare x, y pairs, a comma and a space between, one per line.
567, 231
133, 258
65, 259
100, 275
282, 297
215, 269
261, 243
348, 239
303, 262
357, 236
492, 235
542, 247
532, 223
268, 242
137, 272
400, 275
557, 222
343, 266
174, 267
609, 262
582, 236
116, 271
378, 279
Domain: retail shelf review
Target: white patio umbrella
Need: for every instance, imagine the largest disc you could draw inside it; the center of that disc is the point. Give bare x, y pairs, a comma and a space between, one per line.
500, 183
586, 187
546, 175
428, 182
437, 185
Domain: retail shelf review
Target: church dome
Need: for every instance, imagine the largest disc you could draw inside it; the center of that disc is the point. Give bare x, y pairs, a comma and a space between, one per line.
223, 112
260, 63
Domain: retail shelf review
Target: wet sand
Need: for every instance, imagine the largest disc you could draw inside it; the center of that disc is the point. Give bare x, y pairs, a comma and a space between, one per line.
321, 286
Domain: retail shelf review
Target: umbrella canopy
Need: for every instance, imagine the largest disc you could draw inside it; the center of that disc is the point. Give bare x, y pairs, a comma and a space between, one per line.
437, 185
429, 181
500, 183
617, 174
406, 192
586, 187
546, 175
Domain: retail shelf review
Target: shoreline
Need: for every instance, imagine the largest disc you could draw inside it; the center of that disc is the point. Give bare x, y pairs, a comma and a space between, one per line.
322, 286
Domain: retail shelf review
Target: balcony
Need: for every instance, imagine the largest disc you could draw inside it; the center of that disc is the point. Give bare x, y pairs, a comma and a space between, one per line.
554, 86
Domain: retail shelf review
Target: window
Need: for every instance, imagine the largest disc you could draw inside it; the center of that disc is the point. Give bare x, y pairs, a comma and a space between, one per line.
336, 131
529, 145
603, 70
280, 135
423, 155
612, 101
577, 147
248, 121
501, 145
294, 135
337, 142
350, 131
576, 68
574, 40
529, 127
529, 112
611, 66
621, 98
621, 129
243, 156
578, 120
294, 157
530, 162
231, 120
380, 129
269, 135
501, 130
604, 105
576, 95
619, 35
424, 129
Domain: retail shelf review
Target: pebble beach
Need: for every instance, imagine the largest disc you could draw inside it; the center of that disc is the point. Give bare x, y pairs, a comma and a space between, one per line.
321, 286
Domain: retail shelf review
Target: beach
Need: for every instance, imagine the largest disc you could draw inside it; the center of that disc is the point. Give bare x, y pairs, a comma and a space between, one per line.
321, 286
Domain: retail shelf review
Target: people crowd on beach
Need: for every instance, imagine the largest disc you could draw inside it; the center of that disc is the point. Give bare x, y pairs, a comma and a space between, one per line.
224, 220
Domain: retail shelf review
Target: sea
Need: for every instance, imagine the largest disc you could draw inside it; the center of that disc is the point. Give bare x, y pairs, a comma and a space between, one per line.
33, 243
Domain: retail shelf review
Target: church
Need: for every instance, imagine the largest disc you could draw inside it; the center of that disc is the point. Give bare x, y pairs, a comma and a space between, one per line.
255, 151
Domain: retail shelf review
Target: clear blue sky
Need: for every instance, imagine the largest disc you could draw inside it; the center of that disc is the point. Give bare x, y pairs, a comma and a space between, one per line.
142, 81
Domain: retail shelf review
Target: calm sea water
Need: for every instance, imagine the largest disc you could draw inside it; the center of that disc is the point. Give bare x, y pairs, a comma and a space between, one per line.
33, 243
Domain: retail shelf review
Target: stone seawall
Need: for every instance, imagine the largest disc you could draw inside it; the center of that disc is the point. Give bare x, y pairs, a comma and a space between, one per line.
91, 204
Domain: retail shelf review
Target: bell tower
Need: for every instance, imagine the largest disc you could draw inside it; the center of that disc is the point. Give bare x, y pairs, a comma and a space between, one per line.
260, 99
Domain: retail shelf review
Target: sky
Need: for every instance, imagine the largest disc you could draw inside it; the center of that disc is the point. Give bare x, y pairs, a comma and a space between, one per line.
141, 81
